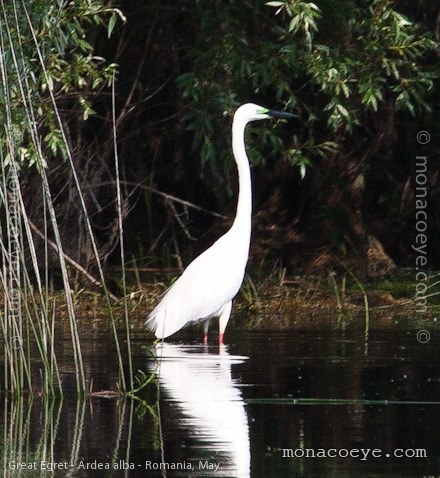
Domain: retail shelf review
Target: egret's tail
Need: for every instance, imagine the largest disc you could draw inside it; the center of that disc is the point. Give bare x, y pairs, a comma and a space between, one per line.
158, 324
153, 325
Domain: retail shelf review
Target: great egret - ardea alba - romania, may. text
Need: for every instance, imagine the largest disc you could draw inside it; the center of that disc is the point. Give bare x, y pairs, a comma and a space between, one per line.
208, 285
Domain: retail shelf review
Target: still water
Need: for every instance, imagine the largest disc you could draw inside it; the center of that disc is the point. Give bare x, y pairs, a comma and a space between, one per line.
230, 412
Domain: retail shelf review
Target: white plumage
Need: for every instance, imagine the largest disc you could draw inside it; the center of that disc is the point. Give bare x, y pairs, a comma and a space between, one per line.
208, 285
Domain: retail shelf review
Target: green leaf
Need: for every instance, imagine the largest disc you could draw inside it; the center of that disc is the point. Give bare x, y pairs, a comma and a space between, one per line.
342, 111
111, 25
275, 4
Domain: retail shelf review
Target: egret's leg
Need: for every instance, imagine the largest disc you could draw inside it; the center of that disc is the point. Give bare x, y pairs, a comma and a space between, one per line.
205, 329
224, 319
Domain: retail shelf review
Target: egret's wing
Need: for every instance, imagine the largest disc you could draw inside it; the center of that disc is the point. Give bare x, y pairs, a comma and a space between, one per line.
210, 281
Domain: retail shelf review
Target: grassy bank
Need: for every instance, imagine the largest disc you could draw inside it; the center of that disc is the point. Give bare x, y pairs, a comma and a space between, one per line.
277, 302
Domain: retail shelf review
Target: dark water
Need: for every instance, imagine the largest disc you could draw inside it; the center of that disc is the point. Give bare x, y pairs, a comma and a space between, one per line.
335, 393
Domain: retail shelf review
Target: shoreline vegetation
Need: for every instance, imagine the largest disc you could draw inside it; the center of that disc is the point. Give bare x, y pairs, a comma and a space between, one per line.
276, 303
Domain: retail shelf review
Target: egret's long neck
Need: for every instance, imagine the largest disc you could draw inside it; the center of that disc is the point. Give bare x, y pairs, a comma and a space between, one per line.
244, 206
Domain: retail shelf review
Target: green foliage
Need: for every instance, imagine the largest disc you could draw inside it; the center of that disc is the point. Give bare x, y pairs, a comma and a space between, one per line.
303, 17
384, 53
288, 54
57, 35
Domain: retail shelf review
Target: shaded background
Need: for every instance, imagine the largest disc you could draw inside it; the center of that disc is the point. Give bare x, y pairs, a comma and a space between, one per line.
363, 79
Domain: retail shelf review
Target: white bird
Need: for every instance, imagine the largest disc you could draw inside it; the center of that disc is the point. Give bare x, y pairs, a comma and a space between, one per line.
210, 282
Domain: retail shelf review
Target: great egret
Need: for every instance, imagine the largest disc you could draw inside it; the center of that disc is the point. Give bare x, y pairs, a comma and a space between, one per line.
208, 285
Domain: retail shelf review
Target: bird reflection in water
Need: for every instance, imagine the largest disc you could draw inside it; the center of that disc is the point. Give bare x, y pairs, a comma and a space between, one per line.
212, 407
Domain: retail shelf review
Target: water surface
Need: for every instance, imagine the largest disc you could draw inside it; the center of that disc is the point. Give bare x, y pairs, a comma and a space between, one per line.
230, 412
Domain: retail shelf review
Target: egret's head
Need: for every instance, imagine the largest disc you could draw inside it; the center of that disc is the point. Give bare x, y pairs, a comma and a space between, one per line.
251, 112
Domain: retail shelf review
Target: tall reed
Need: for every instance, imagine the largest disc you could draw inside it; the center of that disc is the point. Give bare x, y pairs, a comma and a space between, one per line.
27, 325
